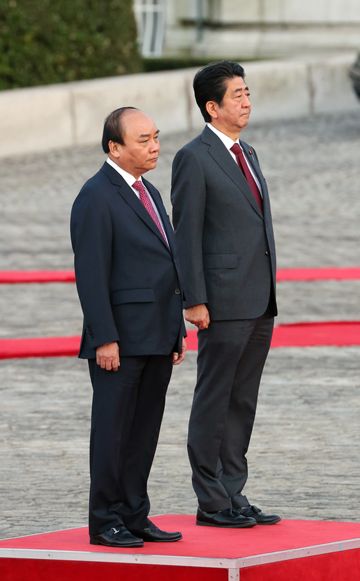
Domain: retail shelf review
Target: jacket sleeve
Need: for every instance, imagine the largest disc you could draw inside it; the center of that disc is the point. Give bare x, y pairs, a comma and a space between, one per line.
91, 236
188, 196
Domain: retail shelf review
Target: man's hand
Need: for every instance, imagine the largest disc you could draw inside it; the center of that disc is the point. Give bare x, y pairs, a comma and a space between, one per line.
198, 315
179, 357
108, 356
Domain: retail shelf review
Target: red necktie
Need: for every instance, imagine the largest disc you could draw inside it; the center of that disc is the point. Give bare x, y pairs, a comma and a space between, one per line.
146, 202
236, 149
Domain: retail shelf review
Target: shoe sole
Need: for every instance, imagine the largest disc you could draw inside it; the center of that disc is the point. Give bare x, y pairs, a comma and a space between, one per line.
224, 526
123, 545
162, 540
273, 522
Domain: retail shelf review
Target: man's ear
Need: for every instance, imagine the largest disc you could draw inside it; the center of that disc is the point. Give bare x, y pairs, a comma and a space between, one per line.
212, 109
114, 148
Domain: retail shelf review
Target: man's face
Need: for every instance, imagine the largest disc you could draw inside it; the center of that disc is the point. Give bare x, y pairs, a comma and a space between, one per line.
141, 148
232, 115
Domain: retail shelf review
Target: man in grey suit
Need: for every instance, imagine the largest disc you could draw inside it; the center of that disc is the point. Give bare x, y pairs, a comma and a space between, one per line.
225, 242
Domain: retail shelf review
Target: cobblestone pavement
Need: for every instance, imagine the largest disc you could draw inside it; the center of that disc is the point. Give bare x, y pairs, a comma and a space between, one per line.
304, 456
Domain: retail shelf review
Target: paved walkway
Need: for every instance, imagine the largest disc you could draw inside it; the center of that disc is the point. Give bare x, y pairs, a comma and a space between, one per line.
304, 456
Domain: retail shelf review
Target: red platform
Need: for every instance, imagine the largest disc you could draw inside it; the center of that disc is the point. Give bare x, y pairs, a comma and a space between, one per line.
288, 551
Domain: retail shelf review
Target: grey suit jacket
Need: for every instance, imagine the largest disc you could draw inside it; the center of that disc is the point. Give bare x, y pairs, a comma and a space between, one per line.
225, 245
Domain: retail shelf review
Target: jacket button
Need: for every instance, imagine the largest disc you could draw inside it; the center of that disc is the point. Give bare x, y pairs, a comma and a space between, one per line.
267, 253
177, 291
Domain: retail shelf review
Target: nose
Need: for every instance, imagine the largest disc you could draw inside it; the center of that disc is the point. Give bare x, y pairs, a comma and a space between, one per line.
155, 145
246, 101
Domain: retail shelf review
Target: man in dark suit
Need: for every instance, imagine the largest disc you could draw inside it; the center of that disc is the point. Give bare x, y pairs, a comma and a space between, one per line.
128, 285
223, 230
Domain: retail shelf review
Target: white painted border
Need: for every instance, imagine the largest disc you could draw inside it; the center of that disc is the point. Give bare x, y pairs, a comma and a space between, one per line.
137, 559
234, 575
208, 562
311, 551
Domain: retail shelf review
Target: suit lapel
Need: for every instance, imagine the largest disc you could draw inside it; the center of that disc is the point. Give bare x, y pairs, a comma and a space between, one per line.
132, 200
222, 157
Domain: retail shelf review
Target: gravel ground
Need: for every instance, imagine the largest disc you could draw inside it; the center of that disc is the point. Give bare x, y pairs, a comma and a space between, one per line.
305, 447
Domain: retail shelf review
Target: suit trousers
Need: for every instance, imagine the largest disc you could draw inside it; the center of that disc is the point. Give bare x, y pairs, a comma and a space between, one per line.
231, 359
127, 410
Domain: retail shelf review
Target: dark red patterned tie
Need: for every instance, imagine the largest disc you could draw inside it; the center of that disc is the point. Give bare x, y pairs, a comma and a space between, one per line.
236, 149
146, 202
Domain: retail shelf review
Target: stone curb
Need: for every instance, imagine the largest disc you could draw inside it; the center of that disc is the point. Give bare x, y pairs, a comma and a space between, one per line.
72, 114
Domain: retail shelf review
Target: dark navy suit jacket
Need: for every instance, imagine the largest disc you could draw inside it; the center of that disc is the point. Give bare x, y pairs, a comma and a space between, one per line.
126, 275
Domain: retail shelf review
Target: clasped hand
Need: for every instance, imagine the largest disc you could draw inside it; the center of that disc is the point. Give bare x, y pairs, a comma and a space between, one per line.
198, 316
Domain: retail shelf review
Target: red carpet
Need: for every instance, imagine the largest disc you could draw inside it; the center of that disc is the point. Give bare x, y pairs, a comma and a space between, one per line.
288, 551
311, 274
283, 275
338, 334
36, 276
39, 347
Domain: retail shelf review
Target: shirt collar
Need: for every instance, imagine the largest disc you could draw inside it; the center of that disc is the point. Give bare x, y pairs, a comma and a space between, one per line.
128, 177
227, 141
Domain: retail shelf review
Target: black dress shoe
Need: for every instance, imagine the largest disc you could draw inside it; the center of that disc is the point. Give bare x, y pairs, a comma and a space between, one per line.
257, 514
152, 534
224, 518
118, 536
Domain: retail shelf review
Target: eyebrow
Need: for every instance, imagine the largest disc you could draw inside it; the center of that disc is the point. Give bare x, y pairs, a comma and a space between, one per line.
241, 89
149, 134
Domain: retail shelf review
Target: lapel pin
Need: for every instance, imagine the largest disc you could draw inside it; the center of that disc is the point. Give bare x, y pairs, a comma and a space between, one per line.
250, 151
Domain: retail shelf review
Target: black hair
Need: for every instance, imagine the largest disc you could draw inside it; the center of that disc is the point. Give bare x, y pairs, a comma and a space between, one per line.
113, 130
209, 83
